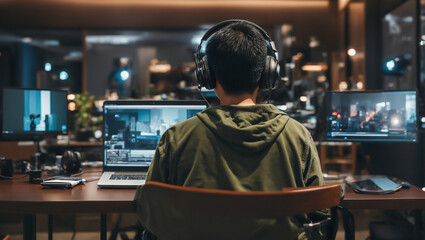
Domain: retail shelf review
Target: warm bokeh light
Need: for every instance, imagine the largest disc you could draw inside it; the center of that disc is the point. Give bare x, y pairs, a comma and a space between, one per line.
99, 103
343, 86
360, 85
160, 68
351, 52
71, 97
72, 106
321, 78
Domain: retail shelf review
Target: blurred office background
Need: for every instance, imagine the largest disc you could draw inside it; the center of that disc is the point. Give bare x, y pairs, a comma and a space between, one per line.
98, 50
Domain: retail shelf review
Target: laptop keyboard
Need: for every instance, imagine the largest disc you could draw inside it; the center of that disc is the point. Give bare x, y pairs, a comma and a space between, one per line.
127, 177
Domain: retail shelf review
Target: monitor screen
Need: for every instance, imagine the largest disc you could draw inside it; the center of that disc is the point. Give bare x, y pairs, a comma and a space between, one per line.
133, 129
31, 114
371, 116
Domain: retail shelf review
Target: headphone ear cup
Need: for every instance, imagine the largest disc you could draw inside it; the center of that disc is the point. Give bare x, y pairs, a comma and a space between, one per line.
71, 161
77, 162
270, 74
203, 74
66, 159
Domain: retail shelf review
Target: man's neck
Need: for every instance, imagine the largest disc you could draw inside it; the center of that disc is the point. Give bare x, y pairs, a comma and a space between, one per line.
240, 100
244, 99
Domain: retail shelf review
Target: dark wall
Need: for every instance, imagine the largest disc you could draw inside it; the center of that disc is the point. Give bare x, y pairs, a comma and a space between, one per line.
373, 44
19, 63
7, 64
28, 65
403, 160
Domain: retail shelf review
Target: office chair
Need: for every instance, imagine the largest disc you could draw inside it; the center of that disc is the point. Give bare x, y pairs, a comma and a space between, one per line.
191, 210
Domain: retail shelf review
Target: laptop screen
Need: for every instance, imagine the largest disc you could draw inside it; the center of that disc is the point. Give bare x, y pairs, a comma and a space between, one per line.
132, 129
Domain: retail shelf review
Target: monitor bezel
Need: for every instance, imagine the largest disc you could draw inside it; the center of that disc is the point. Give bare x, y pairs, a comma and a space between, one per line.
328, 99
27, 136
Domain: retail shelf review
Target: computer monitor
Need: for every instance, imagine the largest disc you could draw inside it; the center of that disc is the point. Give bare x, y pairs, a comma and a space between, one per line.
371, 116
31, 114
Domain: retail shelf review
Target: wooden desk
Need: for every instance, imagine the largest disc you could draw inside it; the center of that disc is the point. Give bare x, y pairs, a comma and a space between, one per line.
412, 198
19, 197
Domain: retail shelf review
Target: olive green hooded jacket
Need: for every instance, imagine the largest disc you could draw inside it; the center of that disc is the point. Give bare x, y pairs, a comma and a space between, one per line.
242, 148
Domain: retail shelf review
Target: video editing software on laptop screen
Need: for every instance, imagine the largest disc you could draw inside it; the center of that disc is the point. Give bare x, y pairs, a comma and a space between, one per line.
132, 131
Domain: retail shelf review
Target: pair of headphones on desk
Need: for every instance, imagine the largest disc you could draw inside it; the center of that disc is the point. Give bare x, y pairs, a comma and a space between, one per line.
71, 161
270, 75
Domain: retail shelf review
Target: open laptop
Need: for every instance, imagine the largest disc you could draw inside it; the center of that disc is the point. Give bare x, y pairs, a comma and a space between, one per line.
132, 130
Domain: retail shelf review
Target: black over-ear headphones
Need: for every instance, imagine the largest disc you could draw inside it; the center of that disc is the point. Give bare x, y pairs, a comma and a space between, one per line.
71, 161
270, 75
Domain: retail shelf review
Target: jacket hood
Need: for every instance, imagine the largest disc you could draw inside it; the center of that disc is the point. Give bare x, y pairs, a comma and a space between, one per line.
245, 128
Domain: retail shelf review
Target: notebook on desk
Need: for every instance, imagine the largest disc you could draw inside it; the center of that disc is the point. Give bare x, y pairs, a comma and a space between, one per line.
132, 130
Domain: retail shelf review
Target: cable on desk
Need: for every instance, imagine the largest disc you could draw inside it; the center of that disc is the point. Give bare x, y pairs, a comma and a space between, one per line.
92, 180
76, 174
6, 177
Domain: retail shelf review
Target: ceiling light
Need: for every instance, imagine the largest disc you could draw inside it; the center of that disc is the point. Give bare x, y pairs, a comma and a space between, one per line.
315, 67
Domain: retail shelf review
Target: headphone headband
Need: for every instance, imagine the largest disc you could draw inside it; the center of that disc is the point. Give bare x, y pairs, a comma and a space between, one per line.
268, 80
223, 24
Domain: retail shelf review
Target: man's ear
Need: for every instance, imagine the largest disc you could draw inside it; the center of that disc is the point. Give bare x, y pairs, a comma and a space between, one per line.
218, 90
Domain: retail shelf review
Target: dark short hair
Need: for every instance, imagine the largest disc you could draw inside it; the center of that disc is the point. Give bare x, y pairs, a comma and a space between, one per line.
236, 57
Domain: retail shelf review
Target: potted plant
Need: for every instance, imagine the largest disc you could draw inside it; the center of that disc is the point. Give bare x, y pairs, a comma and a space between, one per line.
86, 118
